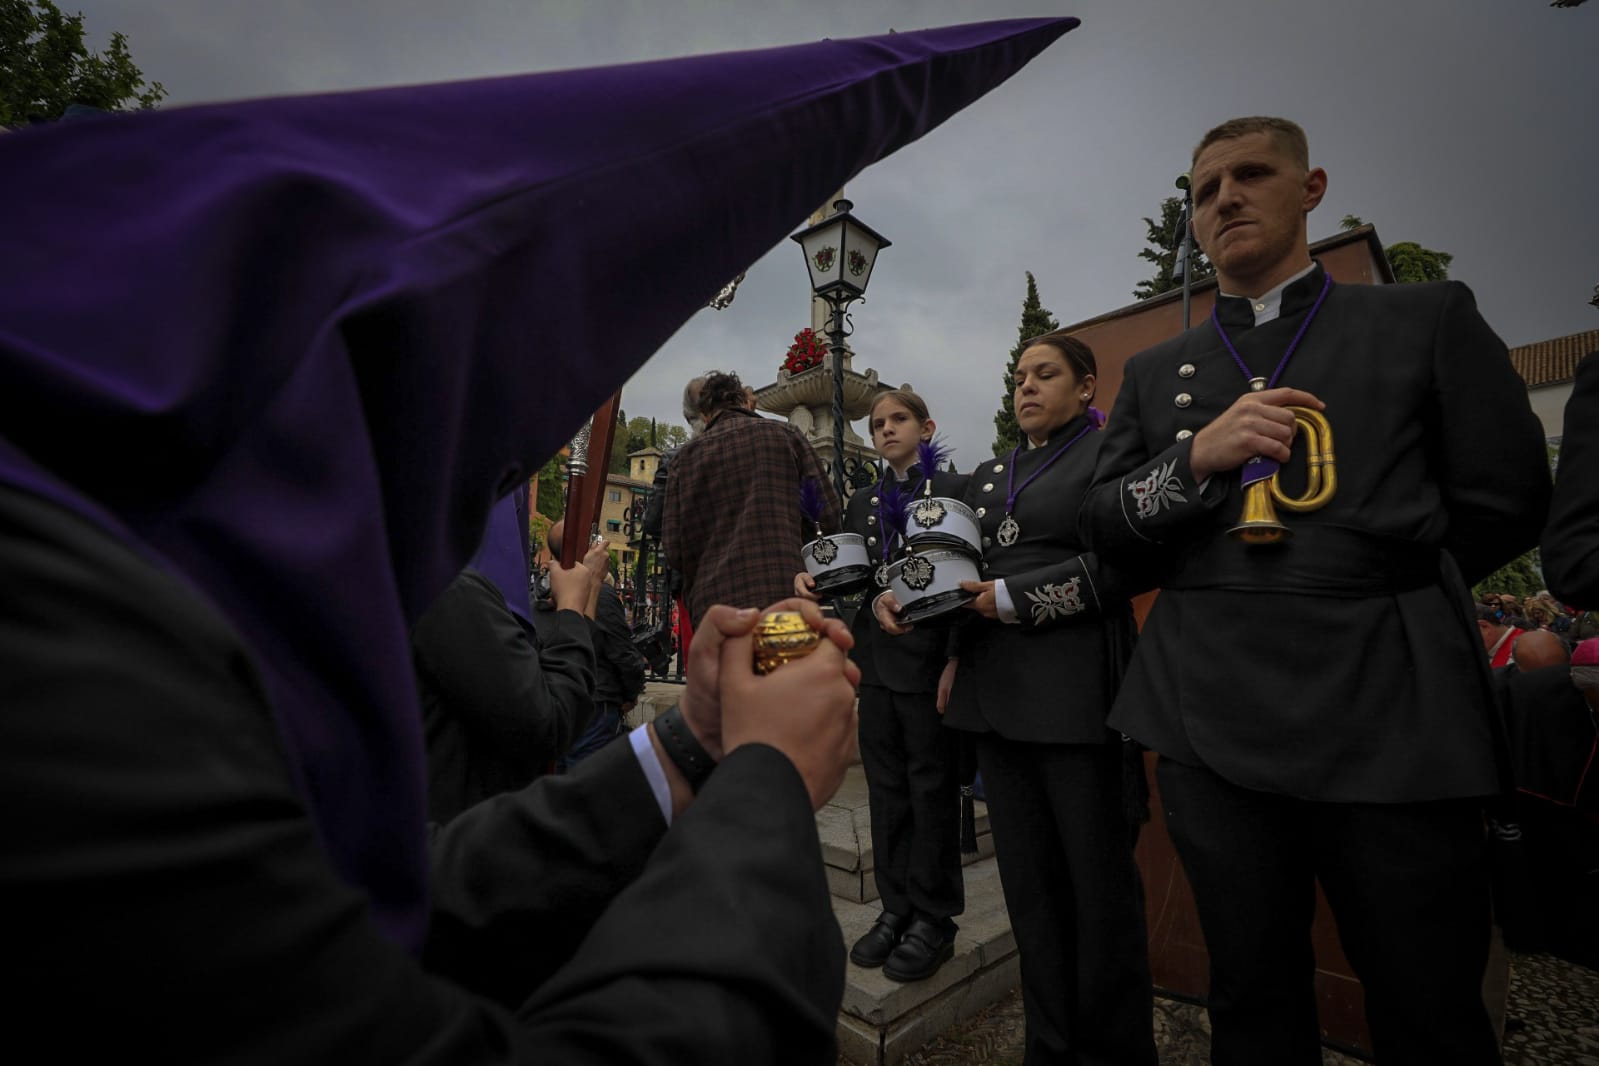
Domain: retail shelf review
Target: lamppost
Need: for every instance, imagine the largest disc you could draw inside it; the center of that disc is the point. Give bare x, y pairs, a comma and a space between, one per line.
839, 253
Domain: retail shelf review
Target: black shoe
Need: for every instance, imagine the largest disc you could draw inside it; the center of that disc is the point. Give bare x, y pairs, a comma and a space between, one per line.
922, 950
871, 949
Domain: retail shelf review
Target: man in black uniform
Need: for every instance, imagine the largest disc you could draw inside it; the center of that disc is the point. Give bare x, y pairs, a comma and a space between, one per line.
1321, 705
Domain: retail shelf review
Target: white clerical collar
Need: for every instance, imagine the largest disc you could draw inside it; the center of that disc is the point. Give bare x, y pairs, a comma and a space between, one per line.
1269, 305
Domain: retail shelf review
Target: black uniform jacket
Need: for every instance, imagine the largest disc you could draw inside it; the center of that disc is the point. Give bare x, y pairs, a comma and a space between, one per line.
499, 703
1571, 543
161, 863
910, 662
1050, 676
1341, 665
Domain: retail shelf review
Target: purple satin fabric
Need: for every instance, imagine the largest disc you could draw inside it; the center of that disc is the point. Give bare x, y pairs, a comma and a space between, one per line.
292, 350
503, 555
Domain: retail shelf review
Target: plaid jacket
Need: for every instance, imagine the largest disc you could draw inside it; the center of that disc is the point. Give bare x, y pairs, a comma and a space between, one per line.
732, 523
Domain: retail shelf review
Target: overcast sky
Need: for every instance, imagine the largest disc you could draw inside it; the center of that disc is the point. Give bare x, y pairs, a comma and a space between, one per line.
1464, 125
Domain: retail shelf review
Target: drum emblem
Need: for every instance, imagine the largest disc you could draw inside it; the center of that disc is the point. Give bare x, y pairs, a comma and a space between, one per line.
917, 573
928, 513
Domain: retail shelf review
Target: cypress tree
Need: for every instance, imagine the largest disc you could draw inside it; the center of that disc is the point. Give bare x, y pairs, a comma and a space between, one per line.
1035, 320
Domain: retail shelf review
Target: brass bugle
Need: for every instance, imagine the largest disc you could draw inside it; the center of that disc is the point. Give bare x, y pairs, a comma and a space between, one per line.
1258, 523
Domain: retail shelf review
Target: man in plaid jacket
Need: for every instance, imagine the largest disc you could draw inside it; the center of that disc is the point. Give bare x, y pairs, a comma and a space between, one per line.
732, 525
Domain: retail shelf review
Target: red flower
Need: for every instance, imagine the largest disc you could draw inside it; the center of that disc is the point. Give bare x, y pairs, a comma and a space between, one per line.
807, 351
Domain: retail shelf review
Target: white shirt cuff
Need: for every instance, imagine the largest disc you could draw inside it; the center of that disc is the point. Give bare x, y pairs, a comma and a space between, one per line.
1002, 603
644, 752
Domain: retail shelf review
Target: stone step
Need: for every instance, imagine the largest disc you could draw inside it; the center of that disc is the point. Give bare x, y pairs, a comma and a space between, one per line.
882, 1021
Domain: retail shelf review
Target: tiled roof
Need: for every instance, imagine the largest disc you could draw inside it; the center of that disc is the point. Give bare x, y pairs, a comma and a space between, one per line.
1553, 362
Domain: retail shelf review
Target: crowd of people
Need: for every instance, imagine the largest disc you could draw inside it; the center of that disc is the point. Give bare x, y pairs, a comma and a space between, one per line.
283, 763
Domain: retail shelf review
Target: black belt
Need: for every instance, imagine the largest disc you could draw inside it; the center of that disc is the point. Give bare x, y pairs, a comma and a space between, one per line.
1315, 561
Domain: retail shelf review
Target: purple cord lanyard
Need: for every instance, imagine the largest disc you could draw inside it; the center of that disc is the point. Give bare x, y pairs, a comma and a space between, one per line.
882, 494
1260, 468
1009, 530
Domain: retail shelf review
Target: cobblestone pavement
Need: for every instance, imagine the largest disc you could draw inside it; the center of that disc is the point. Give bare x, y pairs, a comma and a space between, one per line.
1552, 1020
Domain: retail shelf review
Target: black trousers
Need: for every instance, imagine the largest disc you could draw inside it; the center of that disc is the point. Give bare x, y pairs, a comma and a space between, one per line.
1408, 887
1075, 899
911, 780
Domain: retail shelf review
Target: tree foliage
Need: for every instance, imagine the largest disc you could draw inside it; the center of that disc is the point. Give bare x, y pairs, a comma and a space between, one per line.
1520, 577
1035, 320
551, 501
1412, 262
1163, 253
45, 65
538, 529
618, 464
665, 434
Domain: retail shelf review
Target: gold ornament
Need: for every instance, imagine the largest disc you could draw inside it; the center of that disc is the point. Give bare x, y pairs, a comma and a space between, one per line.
780, 637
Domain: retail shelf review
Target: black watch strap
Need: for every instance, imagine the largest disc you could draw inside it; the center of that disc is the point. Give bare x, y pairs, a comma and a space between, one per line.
686, 753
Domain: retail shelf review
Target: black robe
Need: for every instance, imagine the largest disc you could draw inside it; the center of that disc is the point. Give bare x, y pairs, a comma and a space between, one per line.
162, 865
1341, 665
1571, 542
499, 703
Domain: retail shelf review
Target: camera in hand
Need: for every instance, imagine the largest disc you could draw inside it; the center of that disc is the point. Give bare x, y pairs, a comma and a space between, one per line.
654, 642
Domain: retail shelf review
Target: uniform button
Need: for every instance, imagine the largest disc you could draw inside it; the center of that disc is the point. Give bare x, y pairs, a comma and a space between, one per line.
871, 520
1260, 307
1183, 399
871, 540
874, 501
986, 542
988, 487
1184, 434
981, 511
999, 468
1186, 370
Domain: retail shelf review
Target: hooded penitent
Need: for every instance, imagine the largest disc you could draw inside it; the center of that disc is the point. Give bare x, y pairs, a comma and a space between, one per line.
292, 350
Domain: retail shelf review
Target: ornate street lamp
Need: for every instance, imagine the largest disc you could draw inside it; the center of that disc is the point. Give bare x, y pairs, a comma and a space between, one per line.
839, 252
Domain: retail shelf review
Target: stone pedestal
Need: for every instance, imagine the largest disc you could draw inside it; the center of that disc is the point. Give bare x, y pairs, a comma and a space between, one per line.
806, 400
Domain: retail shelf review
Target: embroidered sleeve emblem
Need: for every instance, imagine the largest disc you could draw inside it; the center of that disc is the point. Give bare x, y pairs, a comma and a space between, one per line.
1057, 601
1157, 490
824, 551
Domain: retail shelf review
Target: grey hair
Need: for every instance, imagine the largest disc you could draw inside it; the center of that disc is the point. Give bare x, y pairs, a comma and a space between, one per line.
691, 404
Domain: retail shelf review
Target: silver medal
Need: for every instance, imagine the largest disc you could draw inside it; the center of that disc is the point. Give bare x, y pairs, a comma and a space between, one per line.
882, 576
1008, 531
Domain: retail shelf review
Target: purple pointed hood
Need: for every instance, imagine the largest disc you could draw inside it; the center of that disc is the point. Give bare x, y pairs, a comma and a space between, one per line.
292, 350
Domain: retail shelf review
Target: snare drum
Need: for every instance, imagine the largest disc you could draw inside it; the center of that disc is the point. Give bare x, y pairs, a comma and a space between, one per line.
927, 583
839, 563
942, 522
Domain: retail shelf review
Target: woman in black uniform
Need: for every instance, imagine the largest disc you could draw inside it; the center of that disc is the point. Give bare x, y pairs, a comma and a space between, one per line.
909, 757
1033, 676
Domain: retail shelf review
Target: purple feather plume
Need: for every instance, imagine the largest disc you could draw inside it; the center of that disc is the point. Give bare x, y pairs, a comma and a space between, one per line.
811, 503
930, 454
894, 510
